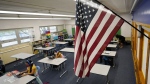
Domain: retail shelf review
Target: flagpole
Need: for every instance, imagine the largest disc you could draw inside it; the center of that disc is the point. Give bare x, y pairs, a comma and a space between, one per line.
120, 17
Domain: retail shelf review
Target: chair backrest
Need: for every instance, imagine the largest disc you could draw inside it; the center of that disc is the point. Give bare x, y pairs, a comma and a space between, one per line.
38, 68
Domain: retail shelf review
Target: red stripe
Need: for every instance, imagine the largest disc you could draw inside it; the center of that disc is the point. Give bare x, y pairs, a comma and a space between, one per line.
117, 27
99, 37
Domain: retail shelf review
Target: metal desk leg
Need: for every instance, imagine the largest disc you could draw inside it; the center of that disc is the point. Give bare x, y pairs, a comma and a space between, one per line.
107, 81
63, 73
43, 67
63, 65
114, 62
78, 80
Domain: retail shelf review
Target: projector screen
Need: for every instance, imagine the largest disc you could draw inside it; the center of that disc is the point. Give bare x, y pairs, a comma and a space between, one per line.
53, 29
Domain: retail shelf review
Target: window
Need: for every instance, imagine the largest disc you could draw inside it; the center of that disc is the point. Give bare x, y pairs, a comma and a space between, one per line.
7, 35
24, 33
15, 36
9, 43
25, 40
53, 29
43, 29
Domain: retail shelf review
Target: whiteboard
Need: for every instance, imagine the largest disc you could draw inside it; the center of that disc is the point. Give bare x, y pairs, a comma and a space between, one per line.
145, 46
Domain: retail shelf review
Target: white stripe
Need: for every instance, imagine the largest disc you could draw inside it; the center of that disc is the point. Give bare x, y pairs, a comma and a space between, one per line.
104, 38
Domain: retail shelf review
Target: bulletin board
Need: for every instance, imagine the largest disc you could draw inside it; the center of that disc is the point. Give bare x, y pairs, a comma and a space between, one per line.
119, 32
73, 31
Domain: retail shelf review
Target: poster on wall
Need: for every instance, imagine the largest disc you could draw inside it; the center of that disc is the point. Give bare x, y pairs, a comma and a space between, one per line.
48, 35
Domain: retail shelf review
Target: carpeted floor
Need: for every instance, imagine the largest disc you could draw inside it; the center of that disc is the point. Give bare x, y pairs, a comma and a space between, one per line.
123, 73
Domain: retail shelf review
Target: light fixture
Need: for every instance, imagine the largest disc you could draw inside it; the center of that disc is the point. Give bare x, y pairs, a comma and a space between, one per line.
34, 18
29, 13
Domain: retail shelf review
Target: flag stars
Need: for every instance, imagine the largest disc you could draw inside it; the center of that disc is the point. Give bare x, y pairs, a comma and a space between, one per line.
89, 11
90, 15
87, 21
93, 10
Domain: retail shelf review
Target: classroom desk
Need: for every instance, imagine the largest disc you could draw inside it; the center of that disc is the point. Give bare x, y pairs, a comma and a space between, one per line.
69, 39
46, 48
13, 80
56, 61
67, 50
110, 54
22, 56
114, 41
100, 70
61, 42
112, 46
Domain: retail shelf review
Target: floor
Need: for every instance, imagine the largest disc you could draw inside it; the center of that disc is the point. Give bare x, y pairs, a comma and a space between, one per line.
123, 73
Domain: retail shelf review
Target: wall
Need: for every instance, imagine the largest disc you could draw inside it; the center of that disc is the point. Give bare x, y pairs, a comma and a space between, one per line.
140, 52
10, 24
7, 52
142, 12
69, 25
125, 29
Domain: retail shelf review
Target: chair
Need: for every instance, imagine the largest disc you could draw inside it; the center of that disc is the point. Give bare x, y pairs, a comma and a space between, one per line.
37, 75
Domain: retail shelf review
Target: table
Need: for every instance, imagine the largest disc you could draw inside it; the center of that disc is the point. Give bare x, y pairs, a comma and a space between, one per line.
22, 56
109, 54
61, 42
67, 50
56, 61
69, 39
112, 46
114, 41
13, 80
46, 49
100, 70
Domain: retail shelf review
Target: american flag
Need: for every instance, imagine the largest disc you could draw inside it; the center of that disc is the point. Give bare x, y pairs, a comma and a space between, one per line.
95, 28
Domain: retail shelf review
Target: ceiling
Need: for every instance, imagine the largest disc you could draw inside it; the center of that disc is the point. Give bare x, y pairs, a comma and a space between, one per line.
57, 6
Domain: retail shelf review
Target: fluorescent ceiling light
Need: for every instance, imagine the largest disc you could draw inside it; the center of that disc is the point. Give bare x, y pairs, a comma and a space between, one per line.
35, 18
29, 13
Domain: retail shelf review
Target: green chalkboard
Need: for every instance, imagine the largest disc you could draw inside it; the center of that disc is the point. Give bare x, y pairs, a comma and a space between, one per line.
73, 31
